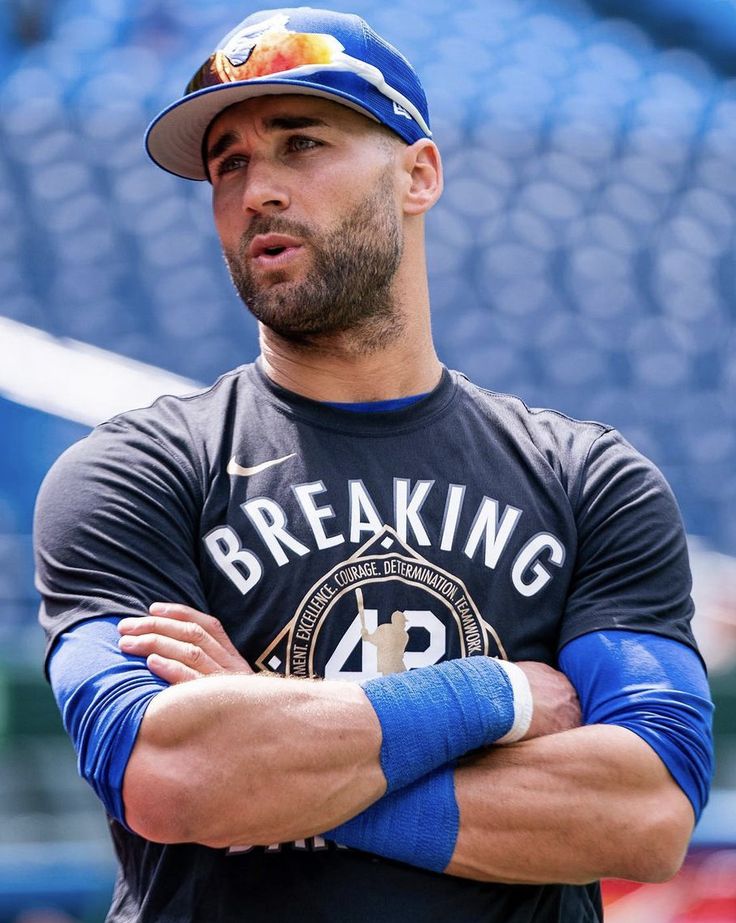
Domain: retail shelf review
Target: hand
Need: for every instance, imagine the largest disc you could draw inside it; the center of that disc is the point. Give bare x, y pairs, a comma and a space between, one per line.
180, 643
556, 705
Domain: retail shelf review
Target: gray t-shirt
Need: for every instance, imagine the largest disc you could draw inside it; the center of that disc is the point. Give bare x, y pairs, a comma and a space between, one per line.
347, 545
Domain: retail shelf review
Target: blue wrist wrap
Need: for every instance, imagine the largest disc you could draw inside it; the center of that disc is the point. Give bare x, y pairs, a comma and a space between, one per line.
418, 824
433, 715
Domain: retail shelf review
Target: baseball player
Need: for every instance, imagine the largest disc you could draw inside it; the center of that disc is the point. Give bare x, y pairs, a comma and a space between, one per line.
264, 747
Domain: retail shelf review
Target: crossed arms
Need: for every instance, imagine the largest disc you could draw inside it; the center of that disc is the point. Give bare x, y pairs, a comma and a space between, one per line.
225, 757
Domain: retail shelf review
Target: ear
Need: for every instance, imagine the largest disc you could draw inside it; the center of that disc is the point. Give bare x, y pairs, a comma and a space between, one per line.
423, 169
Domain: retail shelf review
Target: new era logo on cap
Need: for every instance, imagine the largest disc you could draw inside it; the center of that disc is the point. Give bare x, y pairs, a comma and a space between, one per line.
305, 51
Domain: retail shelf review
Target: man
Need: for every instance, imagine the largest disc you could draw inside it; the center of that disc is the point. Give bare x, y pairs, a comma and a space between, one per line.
184, 546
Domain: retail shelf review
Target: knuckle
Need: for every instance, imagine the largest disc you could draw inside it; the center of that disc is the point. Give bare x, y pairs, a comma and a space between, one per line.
139, 626
213, 623
196, 633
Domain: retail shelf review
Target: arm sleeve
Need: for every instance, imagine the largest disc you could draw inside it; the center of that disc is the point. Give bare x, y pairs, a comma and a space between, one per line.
102, 694
115, 529
655, 687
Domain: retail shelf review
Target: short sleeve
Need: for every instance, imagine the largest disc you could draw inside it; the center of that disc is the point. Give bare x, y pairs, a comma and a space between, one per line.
631, 569
115, 530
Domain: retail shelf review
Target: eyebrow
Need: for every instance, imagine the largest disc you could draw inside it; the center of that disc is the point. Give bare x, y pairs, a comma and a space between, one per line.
288, 122
277, 123
225, 141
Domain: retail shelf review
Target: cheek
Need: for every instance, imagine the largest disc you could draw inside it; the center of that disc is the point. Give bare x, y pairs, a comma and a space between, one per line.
326, 203
227, 217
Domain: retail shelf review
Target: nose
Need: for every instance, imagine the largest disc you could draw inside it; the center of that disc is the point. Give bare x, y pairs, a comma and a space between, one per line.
265, 191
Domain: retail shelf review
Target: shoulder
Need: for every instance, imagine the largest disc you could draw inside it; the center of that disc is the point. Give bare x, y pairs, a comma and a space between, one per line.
162, 450
197, 414
589, 458
175, 432
542, 425
559, 441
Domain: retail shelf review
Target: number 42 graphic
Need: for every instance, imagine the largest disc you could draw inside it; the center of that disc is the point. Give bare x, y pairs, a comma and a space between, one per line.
383, 648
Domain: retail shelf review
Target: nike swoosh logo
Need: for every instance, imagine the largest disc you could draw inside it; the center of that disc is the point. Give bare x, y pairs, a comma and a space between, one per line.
234, 468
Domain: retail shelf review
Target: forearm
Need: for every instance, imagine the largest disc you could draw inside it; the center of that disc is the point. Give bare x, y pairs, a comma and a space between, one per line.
252, 759
298, 757
572, 807
615, 798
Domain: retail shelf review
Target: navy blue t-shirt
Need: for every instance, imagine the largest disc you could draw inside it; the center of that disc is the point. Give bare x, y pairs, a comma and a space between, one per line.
494, 528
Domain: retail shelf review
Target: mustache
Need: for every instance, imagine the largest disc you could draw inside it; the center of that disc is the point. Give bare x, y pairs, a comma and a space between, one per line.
265, 224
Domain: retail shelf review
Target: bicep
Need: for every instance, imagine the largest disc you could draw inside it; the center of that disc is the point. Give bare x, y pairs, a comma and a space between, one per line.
657, 688
115, 530
103, 695
631, 562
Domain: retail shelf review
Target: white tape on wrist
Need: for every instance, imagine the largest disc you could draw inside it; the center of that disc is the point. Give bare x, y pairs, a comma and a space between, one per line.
523, 703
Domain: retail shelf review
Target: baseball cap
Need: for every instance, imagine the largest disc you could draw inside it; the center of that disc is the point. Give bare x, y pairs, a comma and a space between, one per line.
298, 50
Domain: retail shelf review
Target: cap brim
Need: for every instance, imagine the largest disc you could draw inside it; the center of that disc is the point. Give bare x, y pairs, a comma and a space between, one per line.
174, 138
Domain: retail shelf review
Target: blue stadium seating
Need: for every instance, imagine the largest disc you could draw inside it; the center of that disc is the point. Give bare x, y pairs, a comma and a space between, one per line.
582, 256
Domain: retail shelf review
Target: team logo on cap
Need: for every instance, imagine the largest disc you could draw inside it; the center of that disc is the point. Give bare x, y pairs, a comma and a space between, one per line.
266, 49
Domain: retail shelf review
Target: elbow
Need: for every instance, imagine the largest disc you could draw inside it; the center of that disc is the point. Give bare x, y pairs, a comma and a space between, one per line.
658, 866
664, 860
658, 843
158, 806
168, 786
170, 797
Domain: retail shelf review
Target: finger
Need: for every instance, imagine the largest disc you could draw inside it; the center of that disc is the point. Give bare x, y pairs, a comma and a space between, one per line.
171, 670
182, 651
209, 623
187, 632
157, 625
165, 608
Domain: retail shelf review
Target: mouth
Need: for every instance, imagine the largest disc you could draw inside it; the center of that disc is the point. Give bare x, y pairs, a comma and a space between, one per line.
269, 249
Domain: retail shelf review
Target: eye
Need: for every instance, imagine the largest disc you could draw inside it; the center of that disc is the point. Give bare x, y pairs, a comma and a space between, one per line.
302, 143
233, 162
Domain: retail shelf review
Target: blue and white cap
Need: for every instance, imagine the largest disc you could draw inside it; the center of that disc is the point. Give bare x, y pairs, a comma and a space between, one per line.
305, 51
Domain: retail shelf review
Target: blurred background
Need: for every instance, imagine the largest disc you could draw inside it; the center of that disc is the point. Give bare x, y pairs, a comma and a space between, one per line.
583, 257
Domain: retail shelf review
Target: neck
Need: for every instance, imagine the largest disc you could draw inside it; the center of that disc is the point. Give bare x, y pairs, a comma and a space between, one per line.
333, 371
362, 365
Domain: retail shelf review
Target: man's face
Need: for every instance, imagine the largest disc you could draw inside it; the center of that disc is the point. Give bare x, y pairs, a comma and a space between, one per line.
305, 204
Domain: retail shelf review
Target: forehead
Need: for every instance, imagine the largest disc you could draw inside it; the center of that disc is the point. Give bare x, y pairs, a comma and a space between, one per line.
260, 111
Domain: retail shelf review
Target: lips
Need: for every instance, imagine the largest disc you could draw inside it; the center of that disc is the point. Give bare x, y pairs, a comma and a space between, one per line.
270, 246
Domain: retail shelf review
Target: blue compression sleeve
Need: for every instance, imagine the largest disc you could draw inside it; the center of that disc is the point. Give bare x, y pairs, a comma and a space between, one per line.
438, 713
417, 824
655, 687
102, 694
652, 685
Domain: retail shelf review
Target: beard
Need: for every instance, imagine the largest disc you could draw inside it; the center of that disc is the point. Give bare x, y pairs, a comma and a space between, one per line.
348, 286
